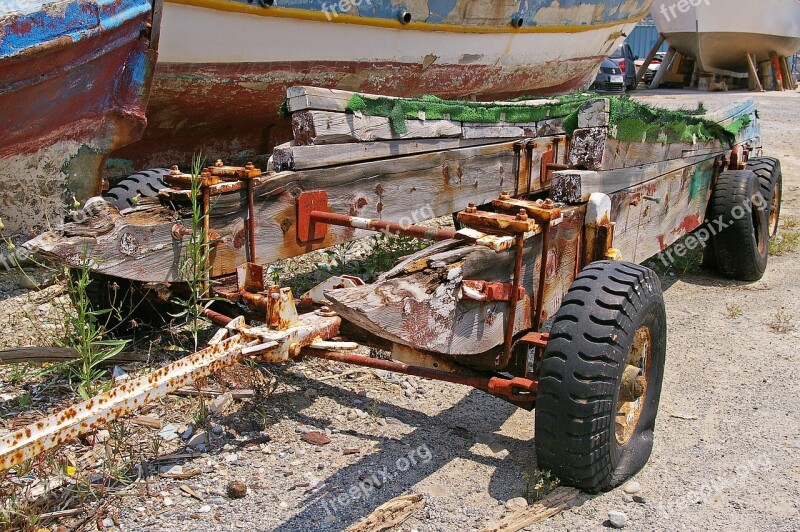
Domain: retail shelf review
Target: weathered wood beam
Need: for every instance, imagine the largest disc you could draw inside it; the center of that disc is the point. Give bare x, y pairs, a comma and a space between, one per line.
306, 157
141, 245
751, 66
663, 68
323, 127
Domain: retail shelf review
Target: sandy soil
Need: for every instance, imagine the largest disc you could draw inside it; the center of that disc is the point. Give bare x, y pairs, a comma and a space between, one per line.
727, 444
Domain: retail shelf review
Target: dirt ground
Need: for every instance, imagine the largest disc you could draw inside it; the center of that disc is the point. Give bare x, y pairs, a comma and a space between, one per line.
727, 442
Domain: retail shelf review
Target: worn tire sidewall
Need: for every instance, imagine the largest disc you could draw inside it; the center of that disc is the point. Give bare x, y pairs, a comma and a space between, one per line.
629, 458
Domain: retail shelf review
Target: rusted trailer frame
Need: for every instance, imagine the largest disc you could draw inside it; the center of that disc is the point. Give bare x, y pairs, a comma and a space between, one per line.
519, 260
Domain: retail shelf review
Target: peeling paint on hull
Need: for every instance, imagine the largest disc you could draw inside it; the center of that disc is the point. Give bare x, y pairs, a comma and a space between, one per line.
223, 95
74, 83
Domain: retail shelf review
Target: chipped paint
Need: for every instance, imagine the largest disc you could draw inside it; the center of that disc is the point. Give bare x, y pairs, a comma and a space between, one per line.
74, 83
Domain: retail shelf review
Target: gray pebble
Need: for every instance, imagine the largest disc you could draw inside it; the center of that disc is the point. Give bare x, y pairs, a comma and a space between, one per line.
617, 519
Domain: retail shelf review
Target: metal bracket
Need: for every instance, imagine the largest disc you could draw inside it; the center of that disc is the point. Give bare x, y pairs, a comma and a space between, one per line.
309, 230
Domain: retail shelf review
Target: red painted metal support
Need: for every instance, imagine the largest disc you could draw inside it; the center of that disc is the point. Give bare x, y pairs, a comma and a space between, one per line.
517, 389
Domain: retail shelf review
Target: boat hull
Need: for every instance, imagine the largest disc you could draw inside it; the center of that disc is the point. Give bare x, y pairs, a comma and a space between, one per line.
224, 94
74, 83
719, 39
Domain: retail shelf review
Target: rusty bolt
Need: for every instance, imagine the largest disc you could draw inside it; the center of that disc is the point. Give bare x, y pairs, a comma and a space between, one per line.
471, 208
179, 231
522, 215
505, 196
175, 170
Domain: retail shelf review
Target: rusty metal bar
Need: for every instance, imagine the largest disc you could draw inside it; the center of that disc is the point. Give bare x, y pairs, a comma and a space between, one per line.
251, 220
216, 317
539, 303
414, 231
516, 389
512, 309
84, 417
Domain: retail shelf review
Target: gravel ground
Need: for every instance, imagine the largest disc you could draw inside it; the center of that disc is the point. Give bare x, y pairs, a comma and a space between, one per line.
727, 443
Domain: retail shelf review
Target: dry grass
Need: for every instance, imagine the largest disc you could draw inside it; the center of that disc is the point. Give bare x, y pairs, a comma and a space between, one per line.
782, 323
734, 310
788, 239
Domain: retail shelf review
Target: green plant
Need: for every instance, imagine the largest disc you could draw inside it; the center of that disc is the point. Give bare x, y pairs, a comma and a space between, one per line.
538, 484
18, 373
734, 310
200, 416
86, 332
196, 259
374, 410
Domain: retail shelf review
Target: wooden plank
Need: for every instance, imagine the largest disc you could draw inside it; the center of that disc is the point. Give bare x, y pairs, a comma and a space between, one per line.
663, 68
287, 157
509, 131
423, 308
303, 98
323, 127
551, 504
649, 60
390, 514
751, 66
731, 112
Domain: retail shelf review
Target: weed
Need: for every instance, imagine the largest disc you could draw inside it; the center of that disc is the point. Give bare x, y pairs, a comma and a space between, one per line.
87, 333
200, 416
538, 484
196, 261
18, 373
264, 418
25, 401
782, 323
734, 310
374, 410
788, 240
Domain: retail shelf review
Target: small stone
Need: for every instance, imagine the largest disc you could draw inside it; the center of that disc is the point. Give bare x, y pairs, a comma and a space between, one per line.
632, 487
222, 402
627, 498
230, 457
200, 438
202, 448
315, 438
236, 489
108, 523
330, 520
217, 430
168, 501
169, 432
617, 519
188, 432
516, 504
310, 393
204, 509
173, 469
408, 393
101, 436
352, 415
283, 505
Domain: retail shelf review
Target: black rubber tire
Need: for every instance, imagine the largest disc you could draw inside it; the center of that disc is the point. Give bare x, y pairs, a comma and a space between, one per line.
739, 217
770, 181
145, 184
581, 374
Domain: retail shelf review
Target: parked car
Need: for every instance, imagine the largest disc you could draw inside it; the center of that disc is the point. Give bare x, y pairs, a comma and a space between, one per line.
652, 69
610, 78
626, 62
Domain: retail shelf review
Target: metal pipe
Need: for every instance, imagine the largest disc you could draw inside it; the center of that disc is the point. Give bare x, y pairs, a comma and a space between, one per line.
216, 317
414, 231
512, 309
517, 389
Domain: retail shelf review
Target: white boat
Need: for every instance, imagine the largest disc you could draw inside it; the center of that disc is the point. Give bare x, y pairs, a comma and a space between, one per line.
719, 34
